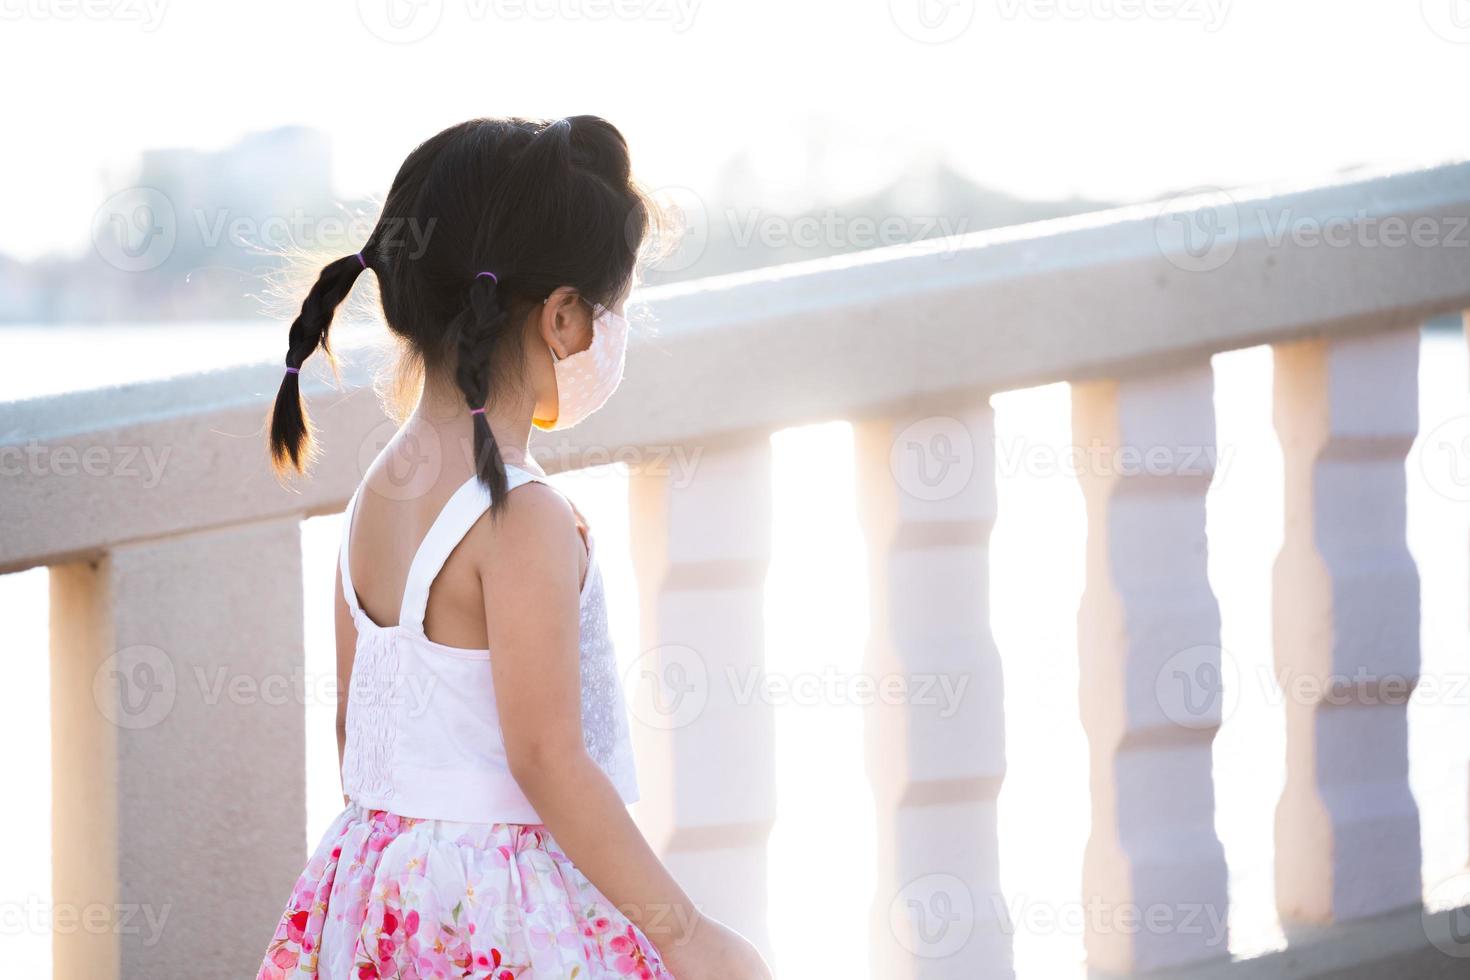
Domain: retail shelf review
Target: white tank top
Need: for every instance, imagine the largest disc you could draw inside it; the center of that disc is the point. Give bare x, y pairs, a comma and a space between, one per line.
423, 730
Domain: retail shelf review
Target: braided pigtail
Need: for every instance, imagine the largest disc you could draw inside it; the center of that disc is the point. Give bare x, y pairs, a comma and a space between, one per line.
290, 428
480, 327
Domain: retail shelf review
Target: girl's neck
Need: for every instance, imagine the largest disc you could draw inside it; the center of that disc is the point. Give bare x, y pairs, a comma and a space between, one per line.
442, 407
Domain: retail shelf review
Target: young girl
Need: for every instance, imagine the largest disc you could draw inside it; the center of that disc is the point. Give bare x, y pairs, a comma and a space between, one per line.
483, 737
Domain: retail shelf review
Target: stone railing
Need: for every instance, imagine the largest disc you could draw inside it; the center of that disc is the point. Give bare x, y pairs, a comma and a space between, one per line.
164, 531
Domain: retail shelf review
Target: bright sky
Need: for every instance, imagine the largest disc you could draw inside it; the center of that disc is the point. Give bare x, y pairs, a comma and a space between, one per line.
1113, 99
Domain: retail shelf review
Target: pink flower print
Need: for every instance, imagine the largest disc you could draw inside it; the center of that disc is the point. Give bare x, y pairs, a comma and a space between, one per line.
296, 926
630, 961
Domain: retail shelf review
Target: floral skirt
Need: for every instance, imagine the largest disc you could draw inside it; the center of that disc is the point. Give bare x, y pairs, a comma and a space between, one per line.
386, 896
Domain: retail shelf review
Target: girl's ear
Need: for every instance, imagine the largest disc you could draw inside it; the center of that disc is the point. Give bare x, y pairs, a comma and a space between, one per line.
565, 322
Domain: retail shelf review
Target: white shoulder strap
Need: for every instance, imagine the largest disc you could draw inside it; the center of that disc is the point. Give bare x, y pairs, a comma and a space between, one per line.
460, 513
348, 591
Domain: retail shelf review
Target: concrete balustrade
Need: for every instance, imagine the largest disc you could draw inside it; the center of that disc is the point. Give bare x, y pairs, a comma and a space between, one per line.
1346, 627
1148, 635
703, 732
926, 502
178, 754
166, 532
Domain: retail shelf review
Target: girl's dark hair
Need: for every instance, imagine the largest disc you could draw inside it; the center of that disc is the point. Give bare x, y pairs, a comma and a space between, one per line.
539, 204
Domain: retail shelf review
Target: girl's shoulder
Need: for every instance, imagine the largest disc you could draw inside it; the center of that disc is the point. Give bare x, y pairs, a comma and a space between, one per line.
537, 521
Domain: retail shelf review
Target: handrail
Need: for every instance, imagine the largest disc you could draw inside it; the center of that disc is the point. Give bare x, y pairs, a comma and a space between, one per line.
845, 337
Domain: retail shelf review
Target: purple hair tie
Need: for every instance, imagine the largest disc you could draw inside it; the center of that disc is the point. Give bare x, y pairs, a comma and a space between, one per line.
291, 370
362, 260
477, 411
493, 277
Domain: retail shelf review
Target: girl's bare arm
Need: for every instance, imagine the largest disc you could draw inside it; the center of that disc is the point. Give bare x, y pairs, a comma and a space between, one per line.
532, 619
346, 631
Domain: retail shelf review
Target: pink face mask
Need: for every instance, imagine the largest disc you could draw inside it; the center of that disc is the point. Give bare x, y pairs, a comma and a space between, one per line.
587, 379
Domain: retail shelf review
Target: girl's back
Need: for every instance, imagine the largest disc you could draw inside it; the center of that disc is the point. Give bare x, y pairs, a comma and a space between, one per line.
404, 495
486, 759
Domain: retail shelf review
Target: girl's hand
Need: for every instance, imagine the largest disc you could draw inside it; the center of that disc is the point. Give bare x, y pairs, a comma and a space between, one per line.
715, 952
